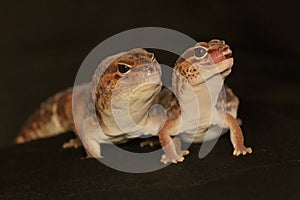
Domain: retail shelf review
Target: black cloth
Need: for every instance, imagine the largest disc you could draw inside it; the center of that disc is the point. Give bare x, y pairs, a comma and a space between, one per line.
43, 44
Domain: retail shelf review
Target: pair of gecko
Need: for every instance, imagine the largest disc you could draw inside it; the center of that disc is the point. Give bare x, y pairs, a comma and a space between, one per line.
115, 105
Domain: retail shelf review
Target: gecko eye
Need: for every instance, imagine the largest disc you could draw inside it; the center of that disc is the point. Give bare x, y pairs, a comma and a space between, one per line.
123, 68
200, 52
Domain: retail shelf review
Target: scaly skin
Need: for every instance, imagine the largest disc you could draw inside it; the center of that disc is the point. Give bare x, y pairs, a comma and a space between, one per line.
132, 76
112, 87
195, 69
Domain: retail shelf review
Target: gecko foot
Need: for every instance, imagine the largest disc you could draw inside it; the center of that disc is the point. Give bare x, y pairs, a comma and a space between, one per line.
72, 143
173, 152
174, 158
241, 150
89, 155
149, 142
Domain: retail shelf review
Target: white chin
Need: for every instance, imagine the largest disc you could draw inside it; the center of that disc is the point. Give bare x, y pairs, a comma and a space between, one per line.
224, 65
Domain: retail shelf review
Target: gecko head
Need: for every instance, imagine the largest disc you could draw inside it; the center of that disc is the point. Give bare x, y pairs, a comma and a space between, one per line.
204, 60
128, 76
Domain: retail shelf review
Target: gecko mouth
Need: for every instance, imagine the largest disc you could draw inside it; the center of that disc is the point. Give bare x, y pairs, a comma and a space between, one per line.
218, 58
227, 54
220, 55
150, 78
223, 61
143, 74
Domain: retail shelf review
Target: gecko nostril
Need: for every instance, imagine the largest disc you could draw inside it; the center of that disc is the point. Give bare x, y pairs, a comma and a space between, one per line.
225, 48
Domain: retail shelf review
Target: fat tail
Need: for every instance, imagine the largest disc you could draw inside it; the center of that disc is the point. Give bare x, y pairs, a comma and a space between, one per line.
53, 117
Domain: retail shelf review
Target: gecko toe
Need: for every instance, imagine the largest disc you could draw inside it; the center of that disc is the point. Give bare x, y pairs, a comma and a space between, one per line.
89, 156
185, 152
72, 143
165, 159
181, 159
241, 150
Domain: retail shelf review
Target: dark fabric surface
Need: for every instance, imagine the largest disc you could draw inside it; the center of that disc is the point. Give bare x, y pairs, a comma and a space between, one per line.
43, 44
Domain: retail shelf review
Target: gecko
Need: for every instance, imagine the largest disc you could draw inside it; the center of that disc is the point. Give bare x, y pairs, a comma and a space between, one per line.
55, 115
133, 76
198, 66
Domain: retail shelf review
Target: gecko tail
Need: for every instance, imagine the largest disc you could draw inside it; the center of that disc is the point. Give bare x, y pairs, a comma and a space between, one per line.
53, 117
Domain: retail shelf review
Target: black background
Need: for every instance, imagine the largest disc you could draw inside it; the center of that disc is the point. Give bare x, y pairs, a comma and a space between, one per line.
44, 42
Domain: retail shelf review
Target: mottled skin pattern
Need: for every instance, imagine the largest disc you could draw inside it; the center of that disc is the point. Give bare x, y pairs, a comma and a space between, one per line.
117, 78
129, 70
133, 78
54, 116
194, 68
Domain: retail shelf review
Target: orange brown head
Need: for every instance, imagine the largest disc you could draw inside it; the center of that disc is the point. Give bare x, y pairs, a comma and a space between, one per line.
121, 74
204, 60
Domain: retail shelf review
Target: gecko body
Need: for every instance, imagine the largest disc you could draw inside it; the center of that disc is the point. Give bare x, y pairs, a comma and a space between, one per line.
115, 105
198, 80
123, 87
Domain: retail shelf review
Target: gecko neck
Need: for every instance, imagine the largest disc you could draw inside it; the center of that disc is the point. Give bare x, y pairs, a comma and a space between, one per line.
122, 117
202, 96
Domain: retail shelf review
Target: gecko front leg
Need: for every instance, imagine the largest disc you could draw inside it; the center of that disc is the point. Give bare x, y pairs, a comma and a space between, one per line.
90, 135
171, 147
92, 148
236, 136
